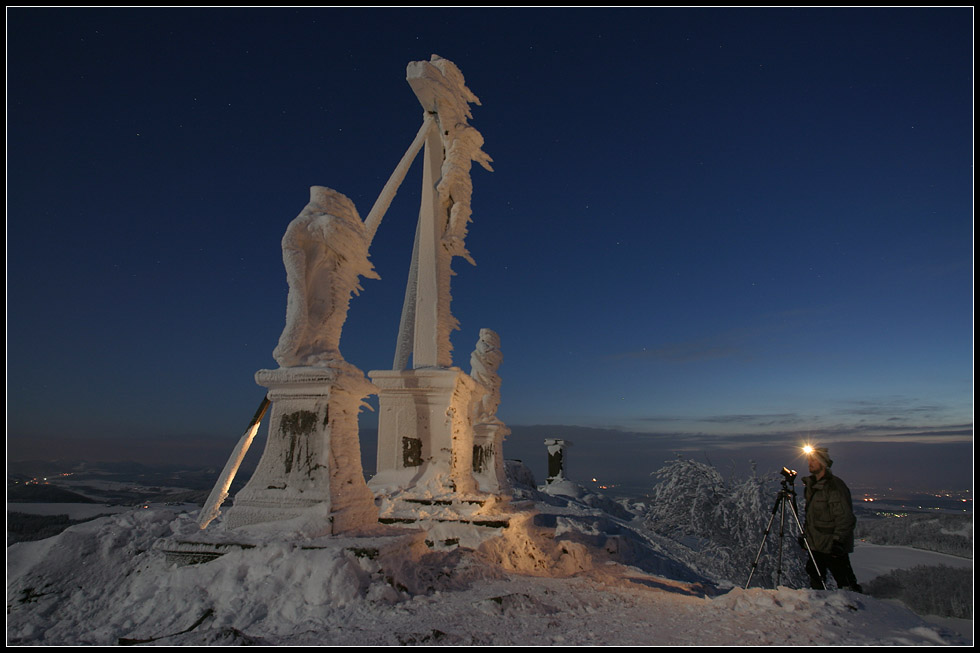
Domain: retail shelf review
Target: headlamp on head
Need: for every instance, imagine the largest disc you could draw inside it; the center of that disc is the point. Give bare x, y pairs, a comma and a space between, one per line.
819, 454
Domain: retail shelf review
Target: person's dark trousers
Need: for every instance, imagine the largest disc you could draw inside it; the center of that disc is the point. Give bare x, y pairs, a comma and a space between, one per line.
838, 565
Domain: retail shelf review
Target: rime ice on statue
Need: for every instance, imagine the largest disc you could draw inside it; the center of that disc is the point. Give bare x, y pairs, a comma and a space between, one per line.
438, 435
439, 439
312, 455
488, 431
325, 250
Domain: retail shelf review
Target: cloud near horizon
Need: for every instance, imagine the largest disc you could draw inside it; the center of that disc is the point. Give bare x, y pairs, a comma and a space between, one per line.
730, 343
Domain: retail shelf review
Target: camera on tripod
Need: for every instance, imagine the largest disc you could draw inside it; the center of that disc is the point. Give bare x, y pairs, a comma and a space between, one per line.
785, 500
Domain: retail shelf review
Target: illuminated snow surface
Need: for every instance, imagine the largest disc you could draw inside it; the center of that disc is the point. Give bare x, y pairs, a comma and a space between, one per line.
576, 574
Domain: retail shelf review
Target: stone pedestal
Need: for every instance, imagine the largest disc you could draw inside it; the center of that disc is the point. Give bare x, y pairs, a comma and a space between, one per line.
488, 458
312, 456
425, 432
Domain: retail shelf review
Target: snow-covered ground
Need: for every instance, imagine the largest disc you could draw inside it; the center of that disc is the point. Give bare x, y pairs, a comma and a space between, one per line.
74, 511
873, 560
583, 578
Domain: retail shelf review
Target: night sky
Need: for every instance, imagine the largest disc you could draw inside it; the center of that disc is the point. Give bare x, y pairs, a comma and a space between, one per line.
710, 231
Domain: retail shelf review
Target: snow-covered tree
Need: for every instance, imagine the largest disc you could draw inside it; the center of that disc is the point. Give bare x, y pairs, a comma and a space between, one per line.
938, 590
944, 533
722, 523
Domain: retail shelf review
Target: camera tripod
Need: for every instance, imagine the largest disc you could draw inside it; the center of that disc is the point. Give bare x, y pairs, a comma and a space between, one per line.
785, 496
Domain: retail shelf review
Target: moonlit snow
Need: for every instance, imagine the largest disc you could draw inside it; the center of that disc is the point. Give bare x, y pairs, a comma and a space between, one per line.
577, 573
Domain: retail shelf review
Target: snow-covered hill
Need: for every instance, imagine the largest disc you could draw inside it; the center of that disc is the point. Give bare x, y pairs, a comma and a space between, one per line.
570, 570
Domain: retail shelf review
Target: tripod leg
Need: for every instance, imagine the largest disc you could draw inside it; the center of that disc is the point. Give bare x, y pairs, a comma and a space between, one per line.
765, 535
782, 532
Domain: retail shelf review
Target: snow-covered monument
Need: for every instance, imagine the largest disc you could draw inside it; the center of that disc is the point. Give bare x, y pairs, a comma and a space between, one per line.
439, 438
431, 411
312, 455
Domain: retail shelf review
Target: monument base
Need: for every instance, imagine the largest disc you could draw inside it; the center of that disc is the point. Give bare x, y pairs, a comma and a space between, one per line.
448, 522
312, 456
425, 433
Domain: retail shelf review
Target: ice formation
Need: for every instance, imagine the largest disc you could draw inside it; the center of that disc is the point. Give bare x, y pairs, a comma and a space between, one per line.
453, 146
484, 362
325, 250
441, 89
488, 430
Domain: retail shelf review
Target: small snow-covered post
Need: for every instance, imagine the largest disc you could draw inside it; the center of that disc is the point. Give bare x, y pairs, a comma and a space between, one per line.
556, 459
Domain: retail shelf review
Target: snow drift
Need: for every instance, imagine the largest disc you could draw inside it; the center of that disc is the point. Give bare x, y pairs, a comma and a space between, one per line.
576, 569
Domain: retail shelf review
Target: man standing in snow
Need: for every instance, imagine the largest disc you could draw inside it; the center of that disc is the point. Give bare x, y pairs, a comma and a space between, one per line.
829, 524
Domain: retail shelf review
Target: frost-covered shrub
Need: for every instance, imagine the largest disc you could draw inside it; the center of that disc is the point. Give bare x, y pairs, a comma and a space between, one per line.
722, 524
943, 591
943, 533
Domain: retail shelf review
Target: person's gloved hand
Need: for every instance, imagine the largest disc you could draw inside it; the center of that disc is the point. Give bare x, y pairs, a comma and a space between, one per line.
802, 542
837, 549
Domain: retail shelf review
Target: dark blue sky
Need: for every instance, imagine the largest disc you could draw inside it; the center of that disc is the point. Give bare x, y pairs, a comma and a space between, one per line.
711, 227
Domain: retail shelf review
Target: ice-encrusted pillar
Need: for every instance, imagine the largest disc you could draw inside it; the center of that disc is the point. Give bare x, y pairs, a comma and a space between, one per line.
426, 351
425, 421
556, 459
451, 146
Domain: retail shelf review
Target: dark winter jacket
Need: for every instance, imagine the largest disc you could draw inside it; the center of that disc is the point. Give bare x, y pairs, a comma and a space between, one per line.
829, 515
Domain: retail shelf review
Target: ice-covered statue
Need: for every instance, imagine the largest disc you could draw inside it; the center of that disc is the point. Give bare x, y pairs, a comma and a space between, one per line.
484, 363
312, 459
325, 250
488, 430
438, 434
